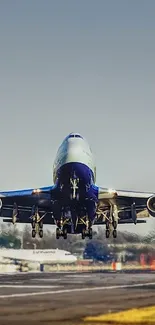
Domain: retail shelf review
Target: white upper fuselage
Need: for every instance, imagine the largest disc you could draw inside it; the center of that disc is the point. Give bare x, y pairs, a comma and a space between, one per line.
74, 149
38, 255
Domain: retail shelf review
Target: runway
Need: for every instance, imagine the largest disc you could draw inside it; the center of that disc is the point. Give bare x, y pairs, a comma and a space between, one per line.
66, 298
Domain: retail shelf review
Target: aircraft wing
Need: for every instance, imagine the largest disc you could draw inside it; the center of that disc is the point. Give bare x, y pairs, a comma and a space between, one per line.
19, 204
131, 205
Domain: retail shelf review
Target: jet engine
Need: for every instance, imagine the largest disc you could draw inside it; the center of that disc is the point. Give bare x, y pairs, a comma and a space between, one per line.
151, 205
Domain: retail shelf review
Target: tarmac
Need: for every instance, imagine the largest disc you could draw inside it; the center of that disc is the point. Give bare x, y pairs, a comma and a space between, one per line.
68, 298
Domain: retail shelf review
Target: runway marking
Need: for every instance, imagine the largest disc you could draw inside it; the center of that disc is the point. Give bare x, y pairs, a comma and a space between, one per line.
12, 273
45, 280
79, 276
29, 294
28, 286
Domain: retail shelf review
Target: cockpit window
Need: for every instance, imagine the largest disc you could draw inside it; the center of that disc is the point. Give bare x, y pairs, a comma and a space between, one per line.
78, 136
73, 135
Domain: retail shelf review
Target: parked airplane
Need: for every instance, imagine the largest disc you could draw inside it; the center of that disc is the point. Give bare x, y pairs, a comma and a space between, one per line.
74, 203
50, 256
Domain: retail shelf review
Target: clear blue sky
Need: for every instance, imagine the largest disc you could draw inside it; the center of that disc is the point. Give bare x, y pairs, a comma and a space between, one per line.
85, 66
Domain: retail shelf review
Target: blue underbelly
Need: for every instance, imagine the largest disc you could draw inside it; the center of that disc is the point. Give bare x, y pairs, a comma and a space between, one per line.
75, 170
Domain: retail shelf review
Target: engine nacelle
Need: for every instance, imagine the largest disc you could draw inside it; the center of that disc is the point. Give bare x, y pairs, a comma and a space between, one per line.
151, 206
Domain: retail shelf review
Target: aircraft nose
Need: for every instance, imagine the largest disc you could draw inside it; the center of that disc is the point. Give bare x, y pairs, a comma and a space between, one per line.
74, 258
74, 151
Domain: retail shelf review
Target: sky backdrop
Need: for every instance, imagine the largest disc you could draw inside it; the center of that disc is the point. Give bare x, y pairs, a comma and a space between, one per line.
84, 66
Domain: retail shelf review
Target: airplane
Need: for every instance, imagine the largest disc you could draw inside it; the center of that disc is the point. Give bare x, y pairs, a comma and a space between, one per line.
46, 256
74, 203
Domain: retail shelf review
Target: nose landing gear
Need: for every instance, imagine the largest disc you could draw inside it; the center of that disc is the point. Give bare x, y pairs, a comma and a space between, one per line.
74, 187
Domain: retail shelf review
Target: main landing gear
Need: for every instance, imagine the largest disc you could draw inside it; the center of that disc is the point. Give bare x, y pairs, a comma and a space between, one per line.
61, 233
86, 229
109, 229
112, 222
83, 225
37, 223
87, 233
61, 230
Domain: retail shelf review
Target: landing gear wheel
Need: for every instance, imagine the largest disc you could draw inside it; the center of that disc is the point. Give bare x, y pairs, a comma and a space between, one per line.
83, 234
115, 225
33, 224
41, 225
107, 225
114, 233
107, 233
41, 233
57, 233
33, 233
65, 233
90, 233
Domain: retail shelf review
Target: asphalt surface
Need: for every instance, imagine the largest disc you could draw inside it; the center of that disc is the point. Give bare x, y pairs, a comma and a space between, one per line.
66, 298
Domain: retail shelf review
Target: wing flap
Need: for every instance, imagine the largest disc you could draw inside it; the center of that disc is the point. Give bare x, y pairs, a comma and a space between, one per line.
24, 216
105, 194
25, 200
121, 222
130, 204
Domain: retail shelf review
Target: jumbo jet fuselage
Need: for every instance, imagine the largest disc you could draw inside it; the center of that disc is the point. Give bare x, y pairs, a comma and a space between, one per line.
74, 175
74, 156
